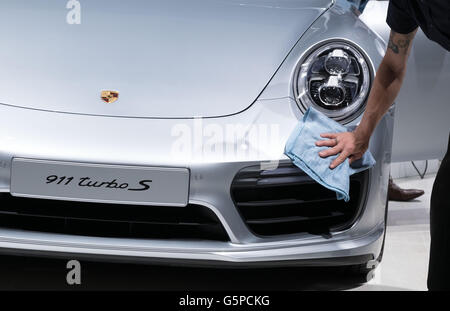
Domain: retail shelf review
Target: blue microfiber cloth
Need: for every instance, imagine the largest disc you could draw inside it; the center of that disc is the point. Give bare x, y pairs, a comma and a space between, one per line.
302, 150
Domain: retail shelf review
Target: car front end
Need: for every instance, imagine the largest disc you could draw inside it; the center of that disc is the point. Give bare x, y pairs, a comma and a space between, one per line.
233, 198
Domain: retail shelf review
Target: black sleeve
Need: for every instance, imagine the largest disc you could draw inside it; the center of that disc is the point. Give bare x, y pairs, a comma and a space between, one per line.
398, 17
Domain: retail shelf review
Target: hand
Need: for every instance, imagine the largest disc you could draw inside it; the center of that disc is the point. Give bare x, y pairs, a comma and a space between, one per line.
350, 145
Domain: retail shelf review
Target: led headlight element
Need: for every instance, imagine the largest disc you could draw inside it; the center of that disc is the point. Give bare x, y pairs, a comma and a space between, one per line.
335, 79
337, 62
332, 93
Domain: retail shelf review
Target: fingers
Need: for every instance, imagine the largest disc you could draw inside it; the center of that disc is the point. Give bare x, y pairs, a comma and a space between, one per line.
341, 144
326, 143
329, 135
340, 159
331, 151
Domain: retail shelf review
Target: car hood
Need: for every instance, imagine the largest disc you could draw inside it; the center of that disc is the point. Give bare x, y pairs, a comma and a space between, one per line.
166, 58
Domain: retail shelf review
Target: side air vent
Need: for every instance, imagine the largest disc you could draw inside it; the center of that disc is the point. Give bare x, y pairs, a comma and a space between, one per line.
287, 201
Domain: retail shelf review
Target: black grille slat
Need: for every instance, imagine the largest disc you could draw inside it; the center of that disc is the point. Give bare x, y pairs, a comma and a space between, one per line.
276, 181
106, 220
110, 220
277, 203
283, 171
266, 221
286, 200
102, 220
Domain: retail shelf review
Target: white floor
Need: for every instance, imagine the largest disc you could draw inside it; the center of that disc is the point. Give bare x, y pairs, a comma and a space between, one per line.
405, 261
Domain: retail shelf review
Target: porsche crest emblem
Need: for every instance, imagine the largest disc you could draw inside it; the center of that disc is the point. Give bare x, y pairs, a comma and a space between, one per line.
110, 96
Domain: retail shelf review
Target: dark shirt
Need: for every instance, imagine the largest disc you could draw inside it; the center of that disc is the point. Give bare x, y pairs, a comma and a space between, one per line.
432, 16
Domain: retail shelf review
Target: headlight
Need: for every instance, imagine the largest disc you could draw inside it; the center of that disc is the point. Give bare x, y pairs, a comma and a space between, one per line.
335, 79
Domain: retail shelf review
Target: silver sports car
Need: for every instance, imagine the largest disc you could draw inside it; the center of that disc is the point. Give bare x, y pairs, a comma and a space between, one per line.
155, 130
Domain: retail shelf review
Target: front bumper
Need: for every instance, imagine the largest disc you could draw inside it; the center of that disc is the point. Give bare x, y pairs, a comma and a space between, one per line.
132, 141
300, 252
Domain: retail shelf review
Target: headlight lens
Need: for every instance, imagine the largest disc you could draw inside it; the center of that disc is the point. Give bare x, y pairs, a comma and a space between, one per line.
335, 79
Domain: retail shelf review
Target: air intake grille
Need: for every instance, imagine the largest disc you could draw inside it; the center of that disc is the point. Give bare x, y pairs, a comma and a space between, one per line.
287, 201
110, 220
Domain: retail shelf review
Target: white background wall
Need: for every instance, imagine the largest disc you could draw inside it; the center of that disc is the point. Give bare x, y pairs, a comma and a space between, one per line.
406, 169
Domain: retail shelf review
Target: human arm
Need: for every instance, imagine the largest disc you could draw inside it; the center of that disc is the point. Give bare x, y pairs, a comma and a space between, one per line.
385, 88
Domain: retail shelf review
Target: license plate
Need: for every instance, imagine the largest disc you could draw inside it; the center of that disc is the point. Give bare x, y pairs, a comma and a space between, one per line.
100, 183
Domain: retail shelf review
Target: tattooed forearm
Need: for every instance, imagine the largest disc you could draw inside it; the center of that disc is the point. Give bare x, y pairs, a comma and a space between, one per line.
392, 45
399, 43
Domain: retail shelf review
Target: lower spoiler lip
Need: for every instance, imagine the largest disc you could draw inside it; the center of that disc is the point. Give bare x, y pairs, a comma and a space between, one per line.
319, 262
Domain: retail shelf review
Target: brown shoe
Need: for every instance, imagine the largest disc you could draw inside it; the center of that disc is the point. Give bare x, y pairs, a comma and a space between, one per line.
396, 193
